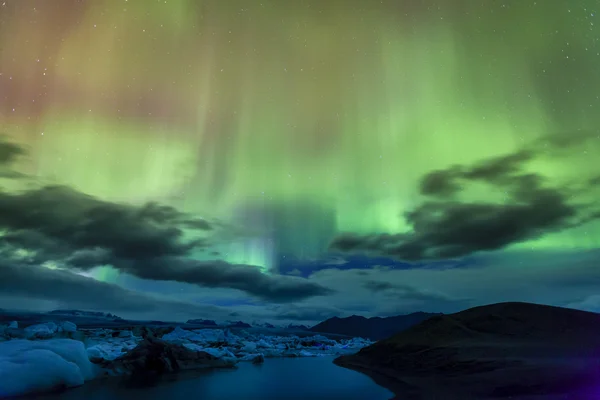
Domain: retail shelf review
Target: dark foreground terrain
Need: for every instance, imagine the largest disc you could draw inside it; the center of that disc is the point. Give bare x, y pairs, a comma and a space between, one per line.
503, 351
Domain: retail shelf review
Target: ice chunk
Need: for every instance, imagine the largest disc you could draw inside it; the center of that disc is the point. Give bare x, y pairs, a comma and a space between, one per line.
249, 347
67, 326
104, 351
182, 336
126, 334
219, 353
36, 366
262, 343
211, 335
257, 358
13, 325
41, 331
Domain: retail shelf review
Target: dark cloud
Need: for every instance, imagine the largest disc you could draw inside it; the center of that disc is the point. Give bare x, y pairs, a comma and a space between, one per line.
9, 152
198, 223
378, 286
70, 290
440, 183
70, 218
595, 180
405, 292
57, 223
445, 227
218, 274
304, 313
559, 142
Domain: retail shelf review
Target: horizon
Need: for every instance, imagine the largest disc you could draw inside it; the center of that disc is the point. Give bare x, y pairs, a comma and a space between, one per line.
276, 323
295, 161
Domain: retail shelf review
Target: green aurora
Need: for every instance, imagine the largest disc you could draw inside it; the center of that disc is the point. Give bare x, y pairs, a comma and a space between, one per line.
291, 122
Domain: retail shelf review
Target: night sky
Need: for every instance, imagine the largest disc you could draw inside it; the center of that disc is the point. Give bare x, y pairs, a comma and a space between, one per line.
292, 160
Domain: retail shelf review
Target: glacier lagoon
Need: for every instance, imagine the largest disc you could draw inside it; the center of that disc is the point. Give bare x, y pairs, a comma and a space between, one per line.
277, 379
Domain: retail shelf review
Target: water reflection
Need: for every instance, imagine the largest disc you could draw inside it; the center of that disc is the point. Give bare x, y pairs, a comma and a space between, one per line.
276, 379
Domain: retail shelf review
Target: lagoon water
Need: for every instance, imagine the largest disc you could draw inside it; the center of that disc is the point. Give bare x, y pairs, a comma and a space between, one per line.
277, 379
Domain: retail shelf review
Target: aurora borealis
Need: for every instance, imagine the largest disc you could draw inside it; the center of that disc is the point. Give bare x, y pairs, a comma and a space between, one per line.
274, 158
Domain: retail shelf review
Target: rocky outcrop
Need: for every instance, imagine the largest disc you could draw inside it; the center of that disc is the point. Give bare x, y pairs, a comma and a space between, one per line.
152, 357
506, 349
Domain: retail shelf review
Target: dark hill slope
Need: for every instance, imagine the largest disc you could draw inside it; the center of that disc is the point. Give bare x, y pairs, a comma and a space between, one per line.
499, 350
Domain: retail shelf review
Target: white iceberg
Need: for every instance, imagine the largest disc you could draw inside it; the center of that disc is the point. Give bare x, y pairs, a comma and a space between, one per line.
37, 366
41, 331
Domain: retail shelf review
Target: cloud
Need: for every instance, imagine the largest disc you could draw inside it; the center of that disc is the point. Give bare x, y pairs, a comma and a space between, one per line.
589, 303
67, 289
294, 312
220, 274
9, 152
388, 291
404, 292
378, 286
80, 221
444, 226
57, 223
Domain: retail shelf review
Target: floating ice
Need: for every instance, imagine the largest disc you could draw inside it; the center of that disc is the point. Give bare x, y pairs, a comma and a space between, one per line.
28, 366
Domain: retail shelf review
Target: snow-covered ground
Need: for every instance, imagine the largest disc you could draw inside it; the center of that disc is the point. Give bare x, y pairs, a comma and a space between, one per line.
52, 355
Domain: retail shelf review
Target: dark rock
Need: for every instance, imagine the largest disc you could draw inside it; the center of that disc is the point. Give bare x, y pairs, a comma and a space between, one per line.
143, 331
506, 349
15, 333
161, 331
259, 359
154, 357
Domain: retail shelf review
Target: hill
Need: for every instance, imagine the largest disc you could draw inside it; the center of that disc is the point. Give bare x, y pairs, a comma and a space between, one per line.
499, 350
375, 328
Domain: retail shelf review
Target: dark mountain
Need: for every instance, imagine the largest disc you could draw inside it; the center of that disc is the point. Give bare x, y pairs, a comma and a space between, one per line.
375, 328
207, 322
239, 324
298, 327
91, 314
258, 324
499, 350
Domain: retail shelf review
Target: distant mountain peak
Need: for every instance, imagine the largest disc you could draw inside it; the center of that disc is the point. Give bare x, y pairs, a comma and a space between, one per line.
374, 328
83, 313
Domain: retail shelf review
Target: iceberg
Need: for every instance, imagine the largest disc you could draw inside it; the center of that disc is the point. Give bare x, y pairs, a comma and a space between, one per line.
49, 358
41, 331
28, 366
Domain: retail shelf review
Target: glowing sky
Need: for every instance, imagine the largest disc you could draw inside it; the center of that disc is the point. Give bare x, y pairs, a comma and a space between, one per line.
302, 131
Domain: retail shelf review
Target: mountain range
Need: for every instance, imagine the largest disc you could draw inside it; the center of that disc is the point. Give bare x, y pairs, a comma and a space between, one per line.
375, 328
